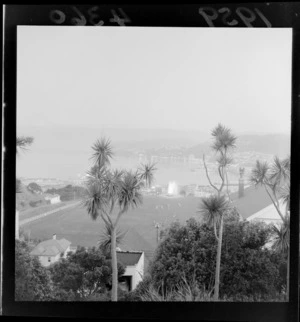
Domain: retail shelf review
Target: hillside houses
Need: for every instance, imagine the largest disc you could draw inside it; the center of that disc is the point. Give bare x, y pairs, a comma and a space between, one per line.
50, 251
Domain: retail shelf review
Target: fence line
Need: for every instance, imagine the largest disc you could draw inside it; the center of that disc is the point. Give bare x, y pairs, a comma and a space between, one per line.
28, 220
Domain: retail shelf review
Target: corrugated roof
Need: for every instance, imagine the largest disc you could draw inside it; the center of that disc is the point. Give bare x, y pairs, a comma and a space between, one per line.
254, 199
51, 247
129, 258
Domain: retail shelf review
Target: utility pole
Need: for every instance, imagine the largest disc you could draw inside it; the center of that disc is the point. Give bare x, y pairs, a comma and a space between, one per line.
157, 226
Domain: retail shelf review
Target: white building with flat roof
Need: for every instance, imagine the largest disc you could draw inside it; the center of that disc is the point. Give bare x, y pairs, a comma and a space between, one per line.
134, 268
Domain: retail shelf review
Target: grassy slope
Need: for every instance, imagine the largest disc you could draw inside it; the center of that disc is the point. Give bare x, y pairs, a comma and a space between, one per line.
75, 225
25, 197
31, 212
26, 211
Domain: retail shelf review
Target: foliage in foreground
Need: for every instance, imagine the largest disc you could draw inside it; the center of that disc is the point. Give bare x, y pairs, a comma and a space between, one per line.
85, 274
249, 270
182, 270
32, 280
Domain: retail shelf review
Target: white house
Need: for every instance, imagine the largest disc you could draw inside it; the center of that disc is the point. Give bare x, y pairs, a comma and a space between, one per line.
254, 203
269, 214
52, 198
50, 251
134, 268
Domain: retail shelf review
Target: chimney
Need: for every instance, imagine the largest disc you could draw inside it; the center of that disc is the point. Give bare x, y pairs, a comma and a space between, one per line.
54, 236
241, 183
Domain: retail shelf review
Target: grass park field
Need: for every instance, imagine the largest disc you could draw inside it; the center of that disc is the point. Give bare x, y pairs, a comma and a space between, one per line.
32, 212
75, 225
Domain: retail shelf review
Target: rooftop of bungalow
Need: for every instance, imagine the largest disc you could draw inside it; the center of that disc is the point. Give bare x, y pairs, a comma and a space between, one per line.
254, 199
129, 258
51, 247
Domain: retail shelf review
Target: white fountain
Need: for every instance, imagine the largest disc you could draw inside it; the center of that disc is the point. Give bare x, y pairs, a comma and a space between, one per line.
173, 189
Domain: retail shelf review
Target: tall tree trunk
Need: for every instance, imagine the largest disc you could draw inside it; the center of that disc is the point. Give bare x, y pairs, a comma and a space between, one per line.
218, 264
114, 291
288, 276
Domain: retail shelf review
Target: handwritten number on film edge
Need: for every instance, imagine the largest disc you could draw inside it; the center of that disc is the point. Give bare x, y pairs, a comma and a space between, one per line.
246, 15
118, 20
78, 21
209, 14
59, 17
93, 16
227, 12
263, 18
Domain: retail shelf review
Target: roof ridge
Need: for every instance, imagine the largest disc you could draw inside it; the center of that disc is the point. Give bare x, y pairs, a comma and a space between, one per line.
130, 251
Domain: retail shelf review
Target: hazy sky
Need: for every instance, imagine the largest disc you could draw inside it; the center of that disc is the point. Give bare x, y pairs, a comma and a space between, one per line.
175, 78
75, 79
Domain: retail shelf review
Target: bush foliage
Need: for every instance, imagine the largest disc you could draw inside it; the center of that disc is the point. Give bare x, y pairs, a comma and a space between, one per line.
185, 259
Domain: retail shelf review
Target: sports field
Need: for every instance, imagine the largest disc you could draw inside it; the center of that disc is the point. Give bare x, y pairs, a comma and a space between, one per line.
32, 212
76, 226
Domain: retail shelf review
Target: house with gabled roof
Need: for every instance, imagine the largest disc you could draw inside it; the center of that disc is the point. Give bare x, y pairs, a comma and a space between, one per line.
50, 251
133, 262
254, 203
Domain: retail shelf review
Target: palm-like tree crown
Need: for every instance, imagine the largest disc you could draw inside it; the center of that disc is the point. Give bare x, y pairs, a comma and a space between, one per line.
103, 152
259, 174
130, 194
275, 175
113, 186
97, 174
279, 171
282, 236
104, 241
224, 160
23, 142
96, 201
107, 188
224, 139
212, 208
284, 194
147, 173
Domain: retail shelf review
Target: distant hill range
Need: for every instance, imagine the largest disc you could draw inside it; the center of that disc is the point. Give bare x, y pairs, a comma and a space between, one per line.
274, 144
79, 139
65, 151
75, 140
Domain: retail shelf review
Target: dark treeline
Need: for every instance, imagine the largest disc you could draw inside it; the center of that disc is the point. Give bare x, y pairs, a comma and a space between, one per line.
82, 276
68, 192
184, 262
